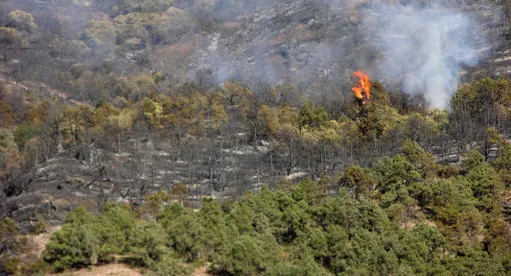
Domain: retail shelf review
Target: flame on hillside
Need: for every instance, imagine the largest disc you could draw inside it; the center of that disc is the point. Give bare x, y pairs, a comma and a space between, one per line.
362, 89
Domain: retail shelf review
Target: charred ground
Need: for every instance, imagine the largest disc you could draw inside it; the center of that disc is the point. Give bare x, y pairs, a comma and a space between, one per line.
106, 101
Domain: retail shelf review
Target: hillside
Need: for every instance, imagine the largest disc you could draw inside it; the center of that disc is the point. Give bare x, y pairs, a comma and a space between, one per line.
406, 216
312, 42
155, 104
172, 118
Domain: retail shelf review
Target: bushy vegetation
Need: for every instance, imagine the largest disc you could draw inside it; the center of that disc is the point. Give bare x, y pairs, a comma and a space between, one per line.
121, 72
193, 124
394, 188
16, 256
404, 216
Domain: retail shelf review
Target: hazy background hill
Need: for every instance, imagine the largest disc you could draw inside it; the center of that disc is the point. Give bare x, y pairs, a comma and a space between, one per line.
314, 43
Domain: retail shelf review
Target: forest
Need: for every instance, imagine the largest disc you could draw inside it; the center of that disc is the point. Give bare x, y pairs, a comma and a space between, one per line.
111, 127
406, 215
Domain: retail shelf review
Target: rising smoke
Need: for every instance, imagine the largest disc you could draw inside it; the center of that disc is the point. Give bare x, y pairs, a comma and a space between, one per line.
416, 48
419, 49
425, 47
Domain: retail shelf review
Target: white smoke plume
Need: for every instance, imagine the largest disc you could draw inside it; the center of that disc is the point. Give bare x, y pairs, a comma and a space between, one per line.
415, 48
425, 48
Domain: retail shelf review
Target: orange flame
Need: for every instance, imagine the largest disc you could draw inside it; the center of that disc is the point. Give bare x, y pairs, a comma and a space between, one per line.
362, 89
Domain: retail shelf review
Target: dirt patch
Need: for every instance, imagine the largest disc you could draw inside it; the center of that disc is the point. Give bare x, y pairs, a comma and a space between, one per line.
40, 241
104, 270
231, 25
201, 271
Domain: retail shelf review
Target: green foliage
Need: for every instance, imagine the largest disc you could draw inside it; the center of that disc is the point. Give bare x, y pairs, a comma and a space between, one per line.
86, 239
249, 256
393, 176
184, 233
478, 106
312, 116
214, 237
148, 241
356, 179
6, 114
24, 133
403, 215
472, 159
377, 121
503, 164
121, 217
41, 226
22, 21
154, 202
9, 39
421, 159
398, 217
302, 231
72, 246
169, 265
99, 35
310, 191
8, 232
305, 268
486, 186
435, 193
9, 156
15, 252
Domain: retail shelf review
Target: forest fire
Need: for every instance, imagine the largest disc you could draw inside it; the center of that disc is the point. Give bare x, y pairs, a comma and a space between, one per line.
362, 89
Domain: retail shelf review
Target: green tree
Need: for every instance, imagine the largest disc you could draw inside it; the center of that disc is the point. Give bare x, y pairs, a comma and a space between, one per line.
472, 159
435, 193
9, 155
184, 233
8, 233
72, 247
304, 267
310, 191
393, 176
421, 159
312, 116
214, 237
22, 21
86, 239
148, 241
99, 35
168, 265
486, 186
503, 164
155, 202
24, 133
249, 256
9, 40
7, 115
356, 179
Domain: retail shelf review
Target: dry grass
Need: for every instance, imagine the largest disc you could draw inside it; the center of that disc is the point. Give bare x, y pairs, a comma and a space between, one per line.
201, 271
231, 25
104, 270
40, 241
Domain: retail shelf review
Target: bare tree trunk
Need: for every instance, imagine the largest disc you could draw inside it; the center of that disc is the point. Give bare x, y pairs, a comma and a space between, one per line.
60, 148
118, 142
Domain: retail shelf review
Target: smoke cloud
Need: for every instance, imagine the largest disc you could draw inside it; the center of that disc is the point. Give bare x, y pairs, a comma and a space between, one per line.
418, 49
425, 48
